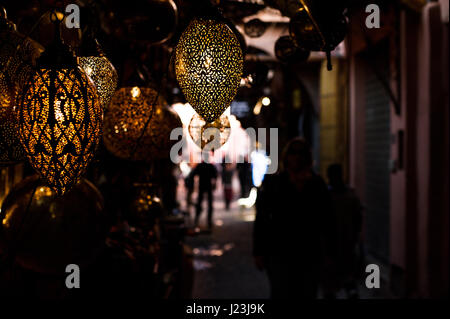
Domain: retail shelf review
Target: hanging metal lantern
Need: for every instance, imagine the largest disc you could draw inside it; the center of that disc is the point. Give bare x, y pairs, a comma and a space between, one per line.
208, 65
138, 123
255, 28
17, 56
48, 231
287, 51
103, 74
214, 134
99, 69
60, 118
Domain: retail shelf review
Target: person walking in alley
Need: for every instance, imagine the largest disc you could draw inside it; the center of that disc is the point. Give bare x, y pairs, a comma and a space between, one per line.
227, 179
294, 226
244, 169
207, 174
348, 211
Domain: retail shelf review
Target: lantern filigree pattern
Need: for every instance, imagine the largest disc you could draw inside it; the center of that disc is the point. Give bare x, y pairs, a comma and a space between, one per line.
17, 55
213, 134
59, 124
128, 112
208, 66
103, 74
10, 149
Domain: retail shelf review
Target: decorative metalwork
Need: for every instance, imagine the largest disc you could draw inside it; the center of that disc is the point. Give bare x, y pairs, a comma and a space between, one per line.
103, 74
255, 28
214, 134
54, 230
208, 65
17, 56
126, 118
60, 120
287, 51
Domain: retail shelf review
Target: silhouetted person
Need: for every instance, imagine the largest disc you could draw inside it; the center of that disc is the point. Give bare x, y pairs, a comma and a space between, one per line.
189, 184
348, 210
293, 229
227, 181
207, 174
245, 176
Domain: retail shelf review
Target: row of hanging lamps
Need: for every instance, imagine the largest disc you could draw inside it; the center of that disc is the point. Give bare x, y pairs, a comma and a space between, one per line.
17, 56
208, 66
138, 123
60, 117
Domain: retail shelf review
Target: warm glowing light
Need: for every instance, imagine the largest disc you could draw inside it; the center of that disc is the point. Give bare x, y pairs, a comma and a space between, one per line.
60, 121
128, 113
208, 65
265, 101
135, 92
103, 74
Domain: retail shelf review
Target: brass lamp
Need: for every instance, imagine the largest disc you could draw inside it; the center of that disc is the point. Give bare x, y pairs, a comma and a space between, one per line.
208, 66
59, 117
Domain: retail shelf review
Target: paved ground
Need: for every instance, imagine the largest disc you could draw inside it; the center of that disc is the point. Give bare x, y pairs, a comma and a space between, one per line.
222, 260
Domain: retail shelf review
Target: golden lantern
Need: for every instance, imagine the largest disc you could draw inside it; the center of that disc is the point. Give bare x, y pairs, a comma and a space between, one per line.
50, 231
103, 74
99, 69
208, 66
60, 118
17, 55
138, 123
214, 134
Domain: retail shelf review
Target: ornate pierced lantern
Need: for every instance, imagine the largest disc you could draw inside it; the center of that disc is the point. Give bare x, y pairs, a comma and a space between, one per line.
60, 118
138, 123
103, 74
17, 56
208, 65
99, 69
213, 134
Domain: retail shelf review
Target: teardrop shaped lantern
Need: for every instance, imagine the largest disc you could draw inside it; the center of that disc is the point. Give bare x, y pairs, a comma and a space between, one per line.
208, 66
101, 71
60, 118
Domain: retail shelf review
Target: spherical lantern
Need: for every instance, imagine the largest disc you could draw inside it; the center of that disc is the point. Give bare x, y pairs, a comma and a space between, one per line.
287, 51
125, 121
60, 118
103, 74
48, 232
146, 205
255, 28
208, 65
213, 134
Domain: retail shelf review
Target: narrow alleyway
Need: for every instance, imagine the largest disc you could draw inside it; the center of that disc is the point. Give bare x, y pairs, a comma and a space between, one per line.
223, 261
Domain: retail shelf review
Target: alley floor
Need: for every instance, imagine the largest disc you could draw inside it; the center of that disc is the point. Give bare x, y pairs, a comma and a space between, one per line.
223, 261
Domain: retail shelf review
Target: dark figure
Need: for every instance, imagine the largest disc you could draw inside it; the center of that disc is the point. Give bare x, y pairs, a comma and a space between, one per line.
227, 180
245, 177
293, 230
348, 210
189, 184
207, 174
